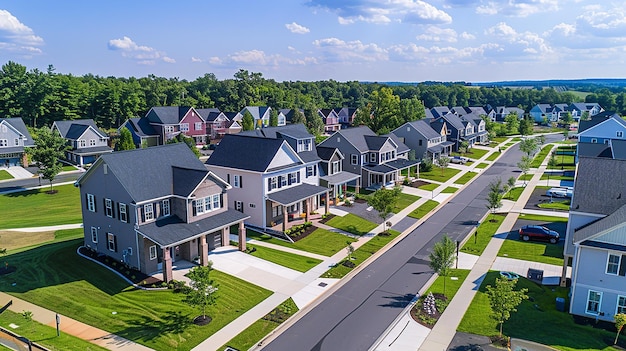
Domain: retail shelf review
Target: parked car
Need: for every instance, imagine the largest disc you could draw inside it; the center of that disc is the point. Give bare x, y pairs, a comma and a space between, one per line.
458, 159
213, 146
537, 232
559, 192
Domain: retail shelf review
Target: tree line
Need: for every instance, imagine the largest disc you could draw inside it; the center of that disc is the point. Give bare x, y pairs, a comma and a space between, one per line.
41, 98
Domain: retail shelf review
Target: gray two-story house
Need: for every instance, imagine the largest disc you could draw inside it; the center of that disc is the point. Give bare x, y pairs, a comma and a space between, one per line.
87, 142
152, 207
14, 139
424, 140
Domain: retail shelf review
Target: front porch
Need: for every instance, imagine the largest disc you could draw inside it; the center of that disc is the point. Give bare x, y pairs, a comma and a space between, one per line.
389, 174
338, 185
298, 203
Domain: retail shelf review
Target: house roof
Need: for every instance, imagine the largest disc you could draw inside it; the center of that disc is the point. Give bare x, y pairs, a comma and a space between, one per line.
400, 146
593, 150
583, 106
618, 147
601, 226
75, 128
208, 114
142, 127
295, 131
186, 180
454, 120
326, 153
245, 152
148, 173
356, 137
167, 114
96, 150
257, 112
297, 193
374, 142
172, 230
18, 124
340, 178
439, 111
599, 187
423, 128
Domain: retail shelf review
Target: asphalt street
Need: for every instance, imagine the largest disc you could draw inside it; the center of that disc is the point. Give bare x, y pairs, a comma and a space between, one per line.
354, 316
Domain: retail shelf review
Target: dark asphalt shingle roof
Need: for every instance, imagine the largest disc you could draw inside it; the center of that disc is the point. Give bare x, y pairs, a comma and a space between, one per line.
167, 114
142, 127
600, 187
92, 150
356, 137
424, 129
340, 178
325, 153
613, 220
172, 230
593, 150
75, 128
296, 193
18, 124
402, 148
185, 180
618, 147
374, 142
245, 152
208, 114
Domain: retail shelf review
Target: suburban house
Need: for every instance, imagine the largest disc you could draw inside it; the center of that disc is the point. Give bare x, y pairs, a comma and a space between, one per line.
169, 121
456, 129
332, 175
475, 129
595, 241
152, 207
421, 137
142, 132
286, 114
440, 111
602, 136
86, 141
501, 112
542, 113
378, 159
581, 110
273, 182
260, 114
14, 139
330, 119
217, 122
346, 116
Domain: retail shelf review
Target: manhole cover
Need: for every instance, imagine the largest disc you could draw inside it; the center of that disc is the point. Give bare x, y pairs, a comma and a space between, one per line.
323, 285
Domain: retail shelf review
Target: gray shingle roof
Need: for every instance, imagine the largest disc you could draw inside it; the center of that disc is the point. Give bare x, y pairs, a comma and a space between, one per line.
296, 193
402, 148
18, 124
245, 152
597, 119
325, 153
424, 129
208, 114
375, 142
147, 173
613, 220
356, 136
618, 147
75, 128
142, 127
167, 114
600, 187
593, 150
454, 121
185, 180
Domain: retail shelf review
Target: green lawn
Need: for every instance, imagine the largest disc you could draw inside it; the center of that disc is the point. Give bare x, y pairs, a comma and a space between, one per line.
452, 286
535, 320
321, 241
361, 254
429, 186
259, 329
286, 259
44, 335
493, 156
421, 211
449, 190
532, 217
403, 201
499, 140
436, 174
67, 168
352, 224
526, 177
556, 205
533, 251
482, 165
514, 193
556, 176
465, 178
540, 156
4, 175
60, 208
476, 153
564, 162
478, 242
54, 276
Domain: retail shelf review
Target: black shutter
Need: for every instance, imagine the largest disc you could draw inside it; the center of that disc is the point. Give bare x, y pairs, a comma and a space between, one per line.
280, 178
115, 242
297, 177
87, 201
95, 208
193, 207
228, 178
622, 266
117, 207
113, 208
104, 205
269, 184
241, 181
315, 170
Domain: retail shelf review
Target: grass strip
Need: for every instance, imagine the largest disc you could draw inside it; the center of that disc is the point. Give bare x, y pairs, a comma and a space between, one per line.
549, 219
283, 258
438, 175
429, 186
514, 193
4, 175
321, 241
540, 156
493, 156
352, 224
423, 210
477, 244
482, 165
465, 178
403, 201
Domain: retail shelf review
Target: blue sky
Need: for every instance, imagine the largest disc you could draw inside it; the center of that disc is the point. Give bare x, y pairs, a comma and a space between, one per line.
289, 40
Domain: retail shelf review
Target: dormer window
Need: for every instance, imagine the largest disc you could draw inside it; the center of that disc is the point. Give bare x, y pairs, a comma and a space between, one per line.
304, 145
619, 134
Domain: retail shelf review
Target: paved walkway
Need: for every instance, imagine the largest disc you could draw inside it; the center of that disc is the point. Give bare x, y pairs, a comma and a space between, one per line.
17, 172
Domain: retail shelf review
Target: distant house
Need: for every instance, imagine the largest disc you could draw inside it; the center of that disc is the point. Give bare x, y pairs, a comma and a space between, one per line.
14, 140
501, 112
421, 137
346, 116
548, 112
260, 114
142, 132
440, 111
378, 159
595, 241
580, 110
330, 119
87, 142
169, 121
286, 114
152, 207
217, 122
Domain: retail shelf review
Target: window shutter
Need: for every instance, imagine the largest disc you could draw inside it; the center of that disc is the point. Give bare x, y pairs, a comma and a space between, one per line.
298, 177
288, 179
87, 201
115, 242
193, 207
117, 206
269, 184
314, 170
622, 266
228, 178
241, 181
113, 208
104, 205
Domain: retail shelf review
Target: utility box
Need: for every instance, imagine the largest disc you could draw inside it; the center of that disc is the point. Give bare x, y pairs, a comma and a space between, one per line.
560, 304
535, 275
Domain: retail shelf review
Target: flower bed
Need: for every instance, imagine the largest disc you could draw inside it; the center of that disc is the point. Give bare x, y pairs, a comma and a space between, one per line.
130, 273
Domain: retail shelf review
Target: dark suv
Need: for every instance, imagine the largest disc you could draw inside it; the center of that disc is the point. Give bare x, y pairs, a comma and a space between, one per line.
537, 232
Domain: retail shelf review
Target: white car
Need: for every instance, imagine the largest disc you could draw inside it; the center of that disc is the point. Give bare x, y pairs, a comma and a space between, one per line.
559, 192
458, 159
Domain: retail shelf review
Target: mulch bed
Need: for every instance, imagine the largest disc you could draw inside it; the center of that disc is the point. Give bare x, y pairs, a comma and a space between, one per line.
304, 234
131, 274
202, 320
418, 183
327, 218
420, 316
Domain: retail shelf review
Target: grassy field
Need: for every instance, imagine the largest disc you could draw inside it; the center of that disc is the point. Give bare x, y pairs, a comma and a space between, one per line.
555, 176
540, 156
436, 174
452, 286
4, 175
465, 178
286, 259
556, 205
525, 177
429, 186
259, 329
53, 275
475, 153
450, 190
321, 241
477, 244
533, 251
62, 207
403, 201
352, 224
361, 254
564, 162
535, 320
68, 168
45, 335
514, 193
482, 165
421, 211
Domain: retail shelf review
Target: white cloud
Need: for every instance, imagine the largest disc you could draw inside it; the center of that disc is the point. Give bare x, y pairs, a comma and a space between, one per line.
336, 49
520, 45
144, 55
438, 34
195, 59
518, 8
384, 11
467, 36
296, 28
16, 37
258, 59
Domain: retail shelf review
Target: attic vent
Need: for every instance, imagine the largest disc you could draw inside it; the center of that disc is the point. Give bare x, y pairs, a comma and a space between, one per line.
106, 169
408, 129
338, 139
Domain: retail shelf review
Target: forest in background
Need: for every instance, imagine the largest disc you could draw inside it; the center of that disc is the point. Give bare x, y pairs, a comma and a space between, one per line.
41, 98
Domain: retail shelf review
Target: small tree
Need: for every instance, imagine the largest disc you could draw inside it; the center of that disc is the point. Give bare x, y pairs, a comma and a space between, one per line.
442, 258
49, 148
529, 146
125, 142
298, 117
503, 299
551, 165
526, 126
442, 163
511, 122
273, 118
494, 198
620, 322
182, 138
463, 145
427, 163
511, 182
383, 201
350, 249
524, 166
203, 289
247, 121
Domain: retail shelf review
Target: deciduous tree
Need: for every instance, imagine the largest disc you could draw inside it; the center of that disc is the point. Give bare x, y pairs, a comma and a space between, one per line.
524, 166
442, 258
504, 299
203, 289
125, 142
247, 121
620, 322
442, 163
383, 201
49, 148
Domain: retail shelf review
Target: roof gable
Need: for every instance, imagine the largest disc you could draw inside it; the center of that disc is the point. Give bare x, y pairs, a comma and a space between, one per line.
597, 188
245, 152
284, 157
75, 128
167, 114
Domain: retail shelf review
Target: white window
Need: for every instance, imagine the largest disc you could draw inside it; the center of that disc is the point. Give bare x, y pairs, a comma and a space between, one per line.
94, 235
310, 171
91, 203
304, 145
216, 202
237, 181
594, 299
92, 142
199, 204
165, 207
372, 157
277, 210
594, 140
354, 159
620, 134
273, 183
336, 167
111, 242
123, 213
168, 129
293, 178
108, 207
148, 212
4, 142
16, 142
197, 126
621, 304
82, 143
612, 265
153, 252
283, 180
363, 159
207, 204
184, 127
239, 206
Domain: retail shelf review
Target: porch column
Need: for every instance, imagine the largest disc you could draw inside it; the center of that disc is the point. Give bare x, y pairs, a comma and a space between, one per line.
242, 237
326, 203
285, 217
358, 185
204, 251
307, 206
563, 281
167, 265
225, 236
